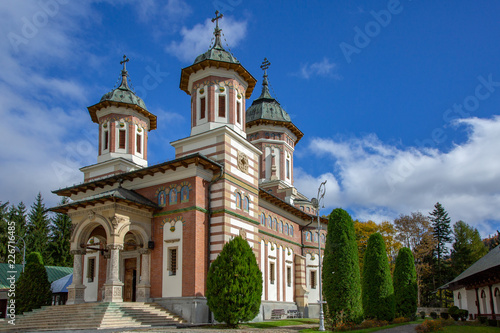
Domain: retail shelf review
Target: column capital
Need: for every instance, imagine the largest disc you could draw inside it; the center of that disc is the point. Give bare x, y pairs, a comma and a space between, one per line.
78, 252
144, 251
115, 247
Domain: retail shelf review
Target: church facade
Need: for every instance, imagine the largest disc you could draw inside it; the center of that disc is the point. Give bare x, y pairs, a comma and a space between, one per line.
149, 233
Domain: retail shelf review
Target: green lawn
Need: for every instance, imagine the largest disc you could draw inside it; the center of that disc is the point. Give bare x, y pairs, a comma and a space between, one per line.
471, 329
283, 322
368, 330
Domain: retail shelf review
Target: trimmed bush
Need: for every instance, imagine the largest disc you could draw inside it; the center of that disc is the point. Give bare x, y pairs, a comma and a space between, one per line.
33, 286
341, 278
482, 319
463, 314
444, 315
405, 284
433, 315
422, 314
453, 311
234, 284
378, 292
429, 326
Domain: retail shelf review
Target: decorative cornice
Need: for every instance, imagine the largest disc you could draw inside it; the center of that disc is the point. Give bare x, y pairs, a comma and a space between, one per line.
225, 211
278, 237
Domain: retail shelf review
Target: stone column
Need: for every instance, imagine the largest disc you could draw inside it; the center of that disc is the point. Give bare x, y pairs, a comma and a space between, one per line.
273, 167
76, 291
144, 287
113, 288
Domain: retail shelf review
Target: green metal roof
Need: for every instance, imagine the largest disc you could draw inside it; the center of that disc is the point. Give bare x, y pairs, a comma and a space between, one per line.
124, 94
217, 52
54, 273
266, 107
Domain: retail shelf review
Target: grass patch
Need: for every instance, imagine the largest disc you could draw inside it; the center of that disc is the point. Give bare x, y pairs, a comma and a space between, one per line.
368, 330
470, 329
283, 322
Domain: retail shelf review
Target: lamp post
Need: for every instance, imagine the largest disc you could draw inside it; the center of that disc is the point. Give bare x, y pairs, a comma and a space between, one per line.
24, 250
316, 204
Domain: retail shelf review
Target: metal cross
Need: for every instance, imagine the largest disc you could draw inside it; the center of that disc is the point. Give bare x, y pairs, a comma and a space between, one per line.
265, 64
124, 61
216, 18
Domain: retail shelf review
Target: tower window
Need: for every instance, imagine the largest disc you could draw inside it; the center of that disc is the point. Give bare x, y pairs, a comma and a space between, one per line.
139, 144
202, 108
222, 106
287, 168
106, 140
238, 112
121, 139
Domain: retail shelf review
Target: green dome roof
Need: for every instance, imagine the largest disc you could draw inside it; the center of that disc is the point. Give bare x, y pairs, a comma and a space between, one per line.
124, 94
266, 107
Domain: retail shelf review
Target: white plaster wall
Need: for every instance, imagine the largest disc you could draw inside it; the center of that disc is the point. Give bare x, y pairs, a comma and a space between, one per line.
312, 264
279, 274
496, 299
272, 292
267, 162
172, 284
277, 154
471, 301
262, 267
91, 290
462, 303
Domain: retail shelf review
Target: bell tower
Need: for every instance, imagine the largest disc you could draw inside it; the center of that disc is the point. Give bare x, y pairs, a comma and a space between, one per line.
124, 123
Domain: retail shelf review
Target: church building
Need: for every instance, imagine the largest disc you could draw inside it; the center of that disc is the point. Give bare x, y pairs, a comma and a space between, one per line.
143, 233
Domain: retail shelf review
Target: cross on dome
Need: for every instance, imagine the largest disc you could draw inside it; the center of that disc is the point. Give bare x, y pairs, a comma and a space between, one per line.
265, 64
216, 19
124, 62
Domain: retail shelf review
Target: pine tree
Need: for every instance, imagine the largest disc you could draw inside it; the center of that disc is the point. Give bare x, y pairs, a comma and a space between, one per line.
60, 233
405, 284
341, 278
467, 248
18, 216
442, 235
4, 216
38, 229
378, 291
33, 286
234, 284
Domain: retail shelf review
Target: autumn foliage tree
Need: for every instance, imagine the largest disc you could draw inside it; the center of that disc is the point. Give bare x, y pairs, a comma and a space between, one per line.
341, 278
405, 284
378, 291
234, 284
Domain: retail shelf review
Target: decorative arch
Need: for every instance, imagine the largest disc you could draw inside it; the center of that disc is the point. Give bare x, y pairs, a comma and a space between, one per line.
172, 196
286, 229
137, 230
246, 204
85, 227
263, 219
237, 196
275, 224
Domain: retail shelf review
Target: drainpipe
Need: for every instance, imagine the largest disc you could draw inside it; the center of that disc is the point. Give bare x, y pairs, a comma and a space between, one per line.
209, 223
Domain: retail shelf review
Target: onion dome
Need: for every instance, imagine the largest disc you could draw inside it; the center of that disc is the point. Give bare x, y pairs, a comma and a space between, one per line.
216, 57
266, 109
123, 96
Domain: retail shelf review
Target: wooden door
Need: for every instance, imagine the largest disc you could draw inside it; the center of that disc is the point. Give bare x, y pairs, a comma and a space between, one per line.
130, 280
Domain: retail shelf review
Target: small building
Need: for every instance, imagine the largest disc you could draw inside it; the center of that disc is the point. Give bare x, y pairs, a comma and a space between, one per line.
60, 289
477, 289
53, 272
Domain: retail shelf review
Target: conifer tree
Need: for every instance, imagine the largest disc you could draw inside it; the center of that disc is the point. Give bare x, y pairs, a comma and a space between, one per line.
378, 291
234, 284
4, 214
442, 235
59, 239
33, 286
405, 284
17, 214
341, 278
467, 248
38, 229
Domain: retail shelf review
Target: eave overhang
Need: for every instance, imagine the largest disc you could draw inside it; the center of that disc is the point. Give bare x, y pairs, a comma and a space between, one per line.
238, 68
183, 162
96, 107
298, 133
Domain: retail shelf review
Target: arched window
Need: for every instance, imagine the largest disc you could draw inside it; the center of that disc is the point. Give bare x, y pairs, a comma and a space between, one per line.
184, 194
315, 237
162, 199
280, 228
308, 236
483, 298
246, 204
459, 301
275, 224
291, 230
238, 200
286, 229
172, 196
263, 219
323, 238
269, 221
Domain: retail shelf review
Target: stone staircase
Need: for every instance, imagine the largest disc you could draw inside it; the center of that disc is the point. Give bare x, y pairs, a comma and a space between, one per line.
91, 316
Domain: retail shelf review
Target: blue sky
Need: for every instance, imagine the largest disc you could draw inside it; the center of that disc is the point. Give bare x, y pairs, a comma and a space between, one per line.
398, 100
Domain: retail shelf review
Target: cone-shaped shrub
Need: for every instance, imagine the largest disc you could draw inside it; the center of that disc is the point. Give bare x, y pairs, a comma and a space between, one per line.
234, 284
378, 292
33, 286
405, 284
341, 278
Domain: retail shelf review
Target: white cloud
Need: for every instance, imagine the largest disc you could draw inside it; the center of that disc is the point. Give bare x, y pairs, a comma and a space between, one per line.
379, 181
195, 40
321, 68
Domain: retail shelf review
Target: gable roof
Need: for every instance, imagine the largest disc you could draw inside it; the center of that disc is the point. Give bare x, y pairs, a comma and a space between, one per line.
489, 262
